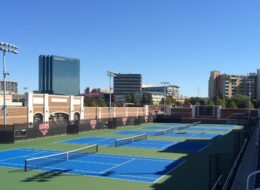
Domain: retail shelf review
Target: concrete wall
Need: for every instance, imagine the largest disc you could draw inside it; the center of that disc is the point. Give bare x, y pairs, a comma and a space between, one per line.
48, 105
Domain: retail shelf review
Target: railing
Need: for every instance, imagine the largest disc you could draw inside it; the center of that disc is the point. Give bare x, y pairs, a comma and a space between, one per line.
233, 171
248, 186
218, 183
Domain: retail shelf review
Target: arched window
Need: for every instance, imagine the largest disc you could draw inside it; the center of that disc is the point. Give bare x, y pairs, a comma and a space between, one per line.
59, 118
76, 119
37, 119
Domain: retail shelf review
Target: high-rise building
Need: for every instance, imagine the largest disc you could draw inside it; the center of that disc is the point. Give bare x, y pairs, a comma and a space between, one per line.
227, 85
59, 75
11, 87
214, 84
126, 84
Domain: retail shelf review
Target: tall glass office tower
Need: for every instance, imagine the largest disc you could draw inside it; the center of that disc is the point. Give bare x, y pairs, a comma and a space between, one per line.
59, 75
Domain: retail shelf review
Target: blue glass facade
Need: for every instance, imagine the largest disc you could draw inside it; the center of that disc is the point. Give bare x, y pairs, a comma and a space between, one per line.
59, 75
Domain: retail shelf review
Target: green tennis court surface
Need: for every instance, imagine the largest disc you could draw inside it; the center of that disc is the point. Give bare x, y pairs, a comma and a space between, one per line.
142, 166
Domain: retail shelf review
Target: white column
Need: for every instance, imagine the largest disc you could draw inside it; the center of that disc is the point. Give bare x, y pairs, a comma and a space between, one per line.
146, 108
193, 108
46, 107
168, 110
114, 111
82, 115
29, 101
126, 112
219, 112
71, 108
99, 113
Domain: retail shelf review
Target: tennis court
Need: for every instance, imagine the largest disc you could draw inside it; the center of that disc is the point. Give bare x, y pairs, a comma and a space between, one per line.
223, 126
207, 129
165, 126
106, 141
129, 168
201, 135
178, 146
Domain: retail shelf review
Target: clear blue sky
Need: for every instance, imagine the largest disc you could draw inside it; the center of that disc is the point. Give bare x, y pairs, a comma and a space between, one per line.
179, 41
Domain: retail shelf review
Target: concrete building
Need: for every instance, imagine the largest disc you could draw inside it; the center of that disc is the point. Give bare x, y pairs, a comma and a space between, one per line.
156, 97
59, 75
126, 84
11, 87
9, 101
227, 85
170, 90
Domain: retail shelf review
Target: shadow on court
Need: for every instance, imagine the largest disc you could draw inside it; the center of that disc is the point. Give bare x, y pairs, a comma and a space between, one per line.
188, 146
46, 176
16, 171
196, 172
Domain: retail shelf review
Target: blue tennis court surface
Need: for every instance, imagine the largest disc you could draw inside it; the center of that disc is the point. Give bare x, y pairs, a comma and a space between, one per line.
224, 126
165, 126
192, 135
175, 134
130, 168
206, 129
134, 132
147, 144
188, 146
181, 146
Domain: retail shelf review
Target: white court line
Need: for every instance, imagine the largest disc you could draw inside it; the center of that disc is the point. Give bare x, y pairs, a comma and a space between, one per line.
90, 175
166, 146
104, 171
141, 177
94, 176
129, 156
10, 149
204, 147
22, 156
89, 142
169, 171
90, 162
48, 167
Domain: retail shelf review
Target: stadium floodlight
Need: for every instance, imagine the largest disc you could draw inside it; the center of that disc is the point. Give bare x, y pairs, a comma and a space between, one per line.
6, 47
110, 74
165, 95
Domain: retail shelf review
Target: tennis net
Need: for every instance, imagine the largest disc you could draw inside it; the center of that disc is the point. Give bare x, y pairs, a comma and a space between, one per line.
188, 125
124, 141
163, 132
38, 162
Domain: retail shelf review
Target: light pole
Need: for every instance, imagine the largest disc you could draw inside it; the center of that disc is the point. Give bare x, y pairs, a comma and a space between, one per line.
110, 74
249, 95
165, 96
6, 47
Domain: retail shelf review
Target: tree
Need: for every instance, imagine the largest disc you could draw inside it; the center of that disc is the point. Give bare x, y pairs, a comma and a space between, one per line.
94, 90
87, 90
170, 101
100, 102
202, 101
129, 98
210, 103
241, 101
221, 103
147, 99
230, 103
89, 102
